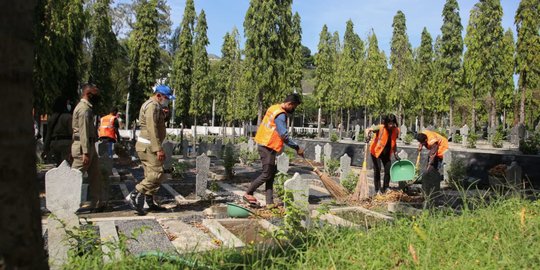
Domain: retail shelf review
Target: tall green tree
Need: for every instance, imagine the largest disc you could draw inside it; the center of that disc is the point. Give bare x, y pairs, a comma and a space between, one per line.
437, 96
349, 71
505, 95
104, 52
59, 35
181, 77
527, 22
472, 63
267, 30
200, 87
324, 72
401, 60
144, 53
490, 37
334, 104
424, 74
295, 57
375, 78
451, 51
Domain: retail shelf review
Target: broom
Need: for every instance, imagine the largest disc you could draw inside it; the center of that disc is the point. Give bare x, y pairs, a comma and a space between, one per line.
361, 192
336, 189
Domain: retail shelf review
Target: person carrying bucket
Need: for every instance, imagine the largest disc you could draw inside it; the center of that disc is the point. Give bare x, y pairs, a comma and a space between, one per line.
437, 146
381, 149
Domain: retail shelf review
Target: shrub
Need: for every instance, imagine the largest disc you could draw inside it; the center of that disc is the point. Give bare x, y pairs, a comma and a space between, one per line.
350, 181
497, 140
442, 131
248, 157
457, 172
471, 140
360, 137
457, 138
291, 153
408, 138
531, 145
179, 168
229, 159
279, 180
334, 137
331, 166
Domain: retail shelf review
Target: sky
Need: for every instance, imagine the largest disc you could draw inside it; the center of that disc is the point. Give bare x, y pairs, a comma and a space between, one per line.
223, 15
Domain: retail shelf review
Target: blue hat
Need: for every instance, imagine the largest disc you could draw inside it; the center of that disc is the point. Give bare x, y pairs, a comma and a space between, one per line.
165, 90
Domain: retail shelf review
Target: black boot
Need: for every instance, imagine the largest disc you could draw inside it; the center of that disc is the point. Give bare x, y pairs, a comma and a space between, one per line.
136, 201
153, 206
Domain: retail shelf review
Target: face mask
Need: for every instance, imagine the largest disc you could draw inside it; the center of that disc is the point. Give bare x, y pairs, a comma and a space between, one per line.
94, 99
164, 102
68, 107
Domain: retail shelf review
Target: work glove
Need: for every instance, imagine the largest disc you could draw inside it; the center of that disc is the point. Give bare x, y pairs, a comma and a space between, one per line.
300, 151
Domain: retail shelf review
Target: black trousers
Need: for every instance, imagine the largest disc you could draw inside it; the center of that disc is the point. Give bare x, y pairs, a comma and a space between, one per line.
269, 169
385, 160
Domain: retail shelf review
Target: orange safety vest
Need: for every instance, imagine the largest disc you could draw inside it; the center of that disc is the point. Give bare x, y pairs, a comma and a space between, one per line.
267, 134
380, 140
106, 127
435, 138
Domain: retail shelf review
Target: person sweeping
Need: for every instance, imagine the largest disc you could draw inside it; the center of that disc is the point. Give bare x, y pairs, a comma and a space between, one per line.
271, 136
381, 149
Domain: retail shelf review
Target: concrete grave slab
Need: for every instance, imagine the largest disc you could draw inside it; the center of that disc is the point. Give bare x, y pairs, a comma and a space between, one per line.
149, 236
187, 238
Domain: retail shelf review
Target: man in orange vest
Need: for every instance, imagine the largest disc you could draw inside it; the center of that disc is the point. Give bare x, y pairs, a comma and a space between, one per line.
381, 149
437, 146
108, 130
271, 135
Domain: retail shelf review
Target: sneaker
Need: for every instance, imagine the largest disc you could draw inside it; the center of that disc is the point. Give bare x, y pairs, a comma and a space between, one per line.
152, 205
136, 201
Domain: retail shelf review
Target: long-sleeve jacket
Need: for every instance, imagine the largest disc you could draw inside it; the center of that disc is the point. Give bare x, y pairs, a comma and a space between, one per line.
84, 129
152, 122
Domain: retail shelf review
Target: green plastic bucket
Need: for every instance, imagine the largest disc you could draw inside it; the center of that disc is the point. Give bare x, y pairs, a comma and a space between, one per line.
234, 210
402, 170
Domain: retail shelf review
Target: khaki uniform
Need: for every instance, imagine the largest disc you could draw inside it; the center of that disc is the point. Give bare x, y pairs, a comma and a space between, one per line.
84, 139
152, 121
58, 139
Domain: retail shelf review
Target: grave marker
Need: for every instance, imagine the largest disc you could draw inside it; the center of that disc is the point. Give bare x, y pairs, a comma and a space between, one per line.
300, 190
203, 168
282, 162
63, 196
344, 166
318, 152
168, 147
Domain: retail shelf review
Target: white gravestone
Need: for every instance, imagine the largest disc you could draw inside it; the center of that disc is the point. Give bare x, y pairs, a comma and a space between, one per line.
63, 196
344, 166
251, 145
282, 162
402, 132
403, 155
318, 152
464, 131
203, 168
514, 175
300, 190
327, 153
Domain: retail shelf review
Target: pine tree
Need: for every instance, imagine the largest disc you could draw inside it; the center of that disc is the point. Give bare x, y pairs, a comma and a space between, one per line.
104, 51
181, 77
527, 22
324, 72
144, 52
472, 63
294, 67
200, 86
437, 97
58, 53
267, 30
334, 104
451, 50
505, 96
424, 75
401, 61
375, 77
349, 71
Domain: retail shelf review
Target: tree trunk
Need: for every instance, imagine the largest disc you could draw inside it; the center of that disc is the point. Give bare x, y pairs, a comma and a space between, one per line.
435, 120
473, 115
451, 112
400, 118
421, 119
319, 130
260, 109
493, 113
522, 103
21, 242
213, 111
365, 118
194, 135
348, 120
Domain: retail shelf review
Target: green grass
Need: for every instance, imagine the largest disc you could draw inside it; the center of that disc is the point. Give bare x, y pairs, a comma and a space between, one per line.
503, 235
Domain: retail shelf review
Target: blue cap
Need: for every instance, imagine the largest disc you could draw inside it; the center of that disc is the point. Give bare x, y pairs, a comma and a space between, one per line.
165, 90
